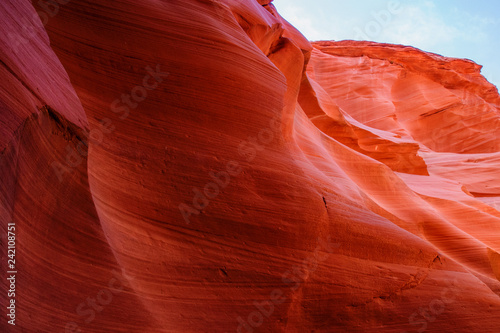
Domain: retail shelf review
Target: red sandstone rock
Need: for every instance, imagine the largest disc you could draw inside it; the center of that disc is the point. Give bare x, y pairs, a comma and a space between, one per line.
238, 178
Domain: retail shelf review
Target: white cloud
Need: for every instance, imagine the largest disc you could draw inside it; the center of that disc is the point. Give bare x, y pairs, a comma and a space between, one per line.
422, 25
299, 18
445, 26
419, 26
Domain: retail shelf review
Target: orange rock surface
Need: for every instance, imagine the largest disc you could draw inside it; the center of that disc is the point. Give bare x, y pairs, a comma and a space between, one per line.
199, 166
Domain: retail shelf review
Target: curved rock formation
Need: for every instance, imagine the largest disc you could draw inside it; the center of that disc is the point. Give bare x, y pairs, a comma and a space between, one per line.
199, 166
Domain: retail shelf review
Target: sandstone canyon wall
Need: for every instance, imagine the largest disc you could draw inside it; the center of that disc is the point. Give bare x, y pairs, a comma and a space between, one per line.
199, 166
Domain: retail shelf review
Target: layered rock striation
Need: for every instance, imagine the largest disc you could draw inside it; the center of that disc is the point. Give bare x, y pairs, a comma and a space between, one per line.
199, 166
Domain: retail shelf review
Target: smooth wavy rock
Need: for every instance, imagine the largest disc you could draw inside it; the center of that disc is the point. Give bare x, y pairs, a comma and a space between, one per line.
199, 166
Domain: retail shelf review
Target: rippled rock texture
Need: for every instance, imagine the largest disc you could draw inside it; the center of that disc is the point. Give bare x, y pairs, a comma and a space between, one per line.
199, 166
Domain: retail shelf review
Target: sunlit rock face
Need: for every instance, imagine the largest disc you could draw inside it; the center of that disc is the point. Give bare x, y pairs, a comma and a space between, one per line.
199, 166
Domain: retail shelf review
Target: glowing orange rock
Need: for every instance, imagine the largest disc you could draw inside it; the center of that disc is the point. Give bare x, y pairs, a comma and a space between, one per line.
202, 167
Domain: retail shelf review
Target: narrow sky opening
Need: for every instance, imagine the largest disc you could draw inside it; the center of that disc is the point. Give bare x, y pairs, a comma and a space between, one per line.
453, 28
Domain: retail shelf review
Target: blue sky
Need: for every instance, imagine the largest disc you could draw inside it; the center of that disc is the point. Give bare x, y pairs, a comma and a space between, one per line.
454, 28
